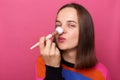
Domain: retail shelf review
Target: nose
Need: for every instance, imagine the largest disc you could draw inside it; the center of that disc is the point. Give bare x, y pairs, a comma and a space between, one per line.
64, 29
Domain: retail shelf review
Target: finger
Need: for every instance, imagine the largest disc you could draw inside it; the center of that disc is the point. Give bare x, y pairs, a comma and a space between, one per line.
57, 51
52, 39
52, 51
42, 42
48, 46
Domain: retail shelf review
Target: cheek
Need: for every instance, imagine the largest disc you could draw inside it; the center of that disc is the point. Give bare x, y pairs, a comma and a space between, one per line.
74, 37
75, 34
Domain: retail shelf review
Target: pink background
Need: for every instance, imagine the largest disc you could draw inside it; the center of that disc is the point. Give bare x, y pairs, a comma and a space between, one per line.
22, 22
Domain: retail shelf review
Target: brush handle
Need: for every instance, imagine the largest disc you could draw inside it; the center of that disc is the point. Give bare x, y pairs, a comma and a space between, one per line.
37, 44
59, 30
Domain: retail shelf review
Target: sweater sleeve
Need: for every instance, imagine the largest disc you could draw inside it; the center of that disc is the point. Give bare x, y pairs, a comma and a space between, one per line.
40, 69
44, 72
53, 73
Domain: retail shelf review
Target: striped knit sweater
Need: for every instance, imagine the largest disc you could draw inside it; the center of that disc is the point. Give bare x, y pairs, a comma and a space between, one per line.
68, 72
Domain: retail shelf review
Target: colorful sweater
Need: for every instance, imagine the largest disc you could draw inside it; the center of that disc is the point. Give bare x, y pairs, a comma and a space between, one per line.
67, 72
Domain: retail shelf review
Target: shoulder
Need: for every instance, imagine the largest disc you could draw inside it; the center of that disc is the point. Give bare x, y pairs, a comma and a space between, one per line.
103, 70
39, 60
98, 72
40, 67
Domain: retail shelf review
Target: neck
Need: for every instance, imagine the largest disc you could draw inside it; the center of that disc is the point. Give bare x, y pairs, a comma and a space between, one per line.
69, 55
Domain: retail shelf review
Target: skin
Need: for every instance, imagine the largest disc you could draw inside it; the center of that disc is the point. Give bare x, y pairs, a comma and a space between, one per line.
68, 20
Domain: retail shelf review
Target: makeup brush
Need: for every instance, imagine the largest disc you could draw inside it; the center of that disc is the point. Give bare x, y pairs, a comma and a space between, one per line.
58, 30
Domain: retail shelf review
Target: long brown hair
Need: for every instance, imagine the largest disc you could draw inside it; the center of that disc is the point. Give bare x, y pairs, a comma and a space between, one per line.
85, 57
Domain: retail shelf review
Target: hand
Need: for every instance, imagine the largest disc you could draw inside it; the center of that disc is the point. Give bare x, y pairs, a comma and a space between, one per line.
49, 52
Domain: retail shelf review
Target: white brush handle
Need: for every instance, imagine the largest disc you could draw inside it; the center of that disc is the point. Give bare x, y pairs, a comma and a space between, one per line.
59, 30
48, 36
37, 44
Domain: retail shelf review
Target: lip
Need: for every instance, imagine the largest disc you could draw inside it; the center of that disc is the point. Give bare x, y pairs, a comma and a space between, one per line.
61, 39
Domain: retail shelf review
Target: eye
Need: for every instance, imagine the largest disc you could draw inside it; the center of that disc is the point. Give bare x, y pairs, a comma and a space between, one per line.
57, 25
72, 25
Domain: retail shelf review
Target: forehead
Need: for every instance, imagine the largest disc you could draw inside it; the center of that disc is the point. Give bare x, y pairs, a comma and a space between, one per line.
67, 13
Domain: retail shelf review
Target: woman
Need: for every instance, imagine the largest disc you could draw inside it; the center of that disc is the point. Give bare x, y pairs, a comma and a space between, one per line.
71, 55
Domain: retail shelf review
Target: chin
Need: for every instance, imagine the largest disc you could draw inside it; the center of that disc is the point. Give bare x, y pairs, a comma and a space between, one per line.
62, 47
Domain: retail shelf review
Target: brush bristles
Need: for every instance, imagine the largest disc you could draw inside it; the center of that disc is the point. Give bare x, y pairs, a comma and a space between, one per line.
59, 30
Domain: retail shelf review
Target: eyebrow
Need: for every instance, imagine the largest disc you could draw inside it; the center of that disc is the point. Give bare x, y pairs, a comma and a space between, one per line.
71, 21
57, 21
67, 21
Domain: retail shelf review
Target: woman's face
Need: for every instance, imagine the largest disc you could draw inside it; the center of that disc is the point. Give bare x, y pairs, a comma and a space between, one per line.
67, 19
